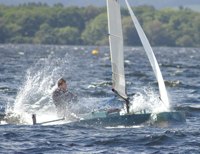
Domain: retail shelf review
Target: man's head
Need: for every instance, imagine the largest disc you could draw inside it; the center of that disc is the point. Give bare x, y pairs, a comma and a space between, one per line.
62, 84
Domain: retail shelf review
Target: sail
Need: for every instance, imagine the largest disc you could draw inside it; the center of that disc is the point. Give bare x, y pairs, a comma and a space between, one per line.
151, 56
116, 47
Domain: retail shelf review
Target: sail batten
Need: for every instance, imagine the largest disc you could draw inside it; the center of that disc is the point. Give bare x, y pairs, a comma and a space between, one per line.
116, 47
115, 35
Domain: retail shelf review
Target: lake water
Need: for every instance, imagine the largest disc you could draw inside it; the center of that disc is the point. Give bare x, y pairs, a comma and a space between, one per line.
28, 77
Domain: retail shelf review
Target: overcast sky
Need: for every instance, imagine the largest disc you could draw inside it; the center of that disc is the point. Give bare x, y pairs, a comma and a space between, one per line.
156, 3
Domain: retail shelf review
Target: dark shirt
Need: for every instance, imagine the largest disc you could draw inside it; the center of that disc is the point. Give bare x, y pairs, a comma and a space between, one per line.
63, 101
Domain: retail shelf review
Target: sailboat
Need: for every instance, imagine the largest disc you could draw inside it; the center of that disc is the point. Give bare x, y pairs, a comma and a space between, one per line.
114, 117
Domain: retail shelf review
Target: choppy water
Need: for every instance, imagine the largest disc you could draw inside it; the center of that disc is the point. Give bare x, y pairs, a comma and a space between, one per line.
28, 76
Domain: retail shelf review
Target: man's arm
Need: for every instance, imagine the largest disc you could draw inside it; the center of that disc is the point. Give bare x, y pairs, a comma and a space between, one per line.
73, 97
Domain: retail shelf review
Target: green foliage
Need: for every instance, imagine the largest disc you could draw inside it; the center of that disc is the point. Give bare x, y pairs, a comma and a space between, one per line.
67, 35
3, 32
96, 31
43, 24
157, 33
63, 17
45, 35
90, 12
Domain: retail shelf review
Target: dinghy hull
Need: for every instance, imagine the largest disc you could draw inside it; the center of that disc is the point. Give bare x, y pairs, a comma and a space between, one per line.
173, 117
106, 119
113, 119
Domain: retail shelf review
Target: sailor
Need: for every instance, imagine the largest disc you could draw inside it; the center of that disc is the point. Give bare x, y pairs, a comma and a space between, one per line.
63, 99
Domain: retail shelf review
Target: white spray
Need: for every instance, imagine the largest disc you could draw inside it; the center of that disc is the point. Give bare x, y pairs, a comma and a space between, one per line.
34, 97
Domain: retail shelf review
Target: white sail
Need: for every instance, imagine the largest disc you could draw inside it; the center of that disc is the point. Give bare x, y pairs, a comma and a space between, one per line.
116, 47
151, 56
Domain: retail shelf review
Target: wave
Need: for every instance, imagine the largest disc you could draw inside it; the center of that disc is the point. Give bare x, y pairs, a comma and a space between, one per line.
181, 66
173, 83
166, 138
189, 110
178, 83
100, 84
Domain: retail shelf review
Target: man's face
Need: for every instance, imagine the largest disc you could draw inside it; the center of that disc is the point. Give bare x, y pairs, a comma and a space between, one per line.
64, 86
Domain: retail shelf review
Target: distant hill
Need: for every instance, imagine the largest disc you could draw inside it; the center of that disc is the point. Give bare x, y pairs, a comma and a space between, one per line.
40, 24
156, 3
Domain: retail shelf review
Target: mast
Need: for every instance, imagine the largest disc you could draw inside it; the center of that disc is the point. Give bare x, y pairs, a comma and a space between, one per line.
116, 49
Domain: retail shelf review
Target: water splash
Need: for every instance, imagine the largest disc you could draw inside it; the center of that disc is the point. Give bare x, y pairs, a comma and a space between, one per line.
146, 101
35, 94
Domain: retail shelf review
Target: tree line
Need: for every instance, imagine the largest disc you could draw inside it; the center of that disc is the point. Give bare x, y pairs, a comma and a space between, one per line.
38, 23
